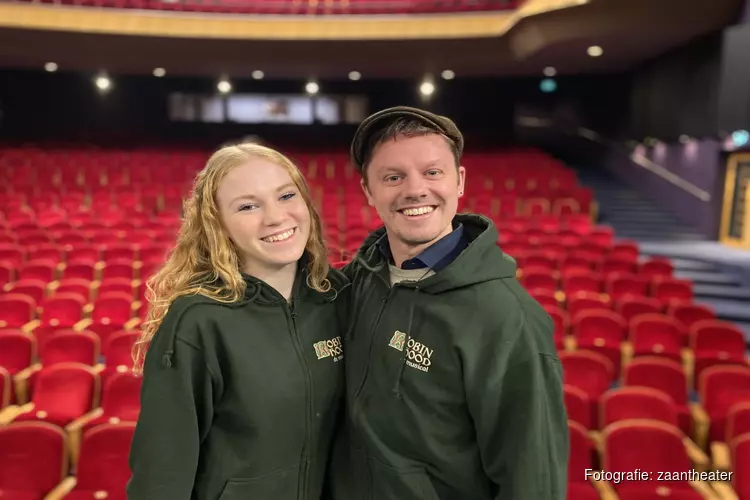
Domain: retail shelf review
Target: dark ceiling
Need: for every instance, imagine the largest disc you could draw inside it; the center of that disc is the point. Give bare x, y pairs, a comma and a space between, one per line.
630, 31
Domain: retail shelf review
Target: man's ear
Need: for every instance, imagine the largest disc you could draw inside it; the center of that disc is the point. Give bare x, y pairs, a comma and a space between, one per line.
461, 181
366, 190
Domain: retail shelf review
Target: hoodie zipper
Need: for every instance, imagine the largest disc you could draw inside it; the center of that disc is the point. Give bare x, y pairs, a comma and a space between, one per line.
356, 406
304, 472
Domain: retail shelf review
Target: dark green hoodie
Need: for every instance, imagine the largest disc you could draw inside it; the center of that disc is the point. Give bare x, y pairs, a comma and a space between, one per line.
454, 387
240, 400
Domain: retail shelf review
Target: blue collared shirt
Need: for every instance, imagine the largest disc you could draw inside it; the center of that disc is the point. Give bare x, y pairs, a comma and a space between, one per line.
436, 256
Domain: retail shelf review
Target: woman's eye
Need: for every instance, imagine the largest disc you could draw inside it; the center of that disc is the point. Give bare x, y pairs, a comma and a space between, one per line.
244, 208
288, 196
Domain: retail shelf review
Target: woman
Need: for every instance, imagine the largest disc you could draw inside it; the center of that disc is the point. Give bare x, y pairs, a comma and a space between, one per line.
241, 354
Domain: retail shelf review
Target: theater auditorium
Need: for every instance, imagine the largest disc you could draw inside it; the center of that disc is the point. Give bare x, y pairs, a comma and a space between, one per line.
607, 140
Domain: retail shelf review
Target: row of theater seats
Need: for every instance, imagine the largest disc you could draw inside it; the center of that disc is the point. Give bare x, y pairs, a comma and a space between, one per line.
306, 7
73, 297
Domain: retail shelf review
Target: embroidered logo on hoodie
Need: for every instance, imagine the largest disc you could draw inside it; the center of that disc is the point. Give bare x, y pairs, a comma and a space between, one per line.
329, 348
418, 355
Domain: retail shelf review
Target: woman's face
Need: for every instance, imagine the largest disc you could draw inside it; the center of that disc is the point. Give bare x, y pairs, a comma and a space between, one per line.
264, 214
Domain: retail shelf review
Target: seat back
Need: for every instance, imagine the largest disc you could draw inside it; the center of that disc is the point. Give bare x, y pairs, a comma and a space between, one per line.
17, 349
599, 323
658, 373
120, 347
630, 307
16, 310
648, 445
720, 387
5, 387
656, 331
121, 396
103, 463
634, 402
112, 308
68, 389
578, 405
62, 310
716, 336
688, 314
740, 452
70, 346
589, 371
738, 420
580, 452
33, 457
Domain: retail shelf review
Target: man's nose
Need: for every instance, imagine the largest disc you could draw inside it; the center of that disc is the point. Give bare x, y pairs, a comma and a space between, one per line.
415, 187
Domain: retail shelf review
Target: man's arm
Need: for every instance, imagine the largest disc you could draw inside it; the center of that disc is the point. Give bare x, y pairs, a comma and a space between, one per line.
514, 393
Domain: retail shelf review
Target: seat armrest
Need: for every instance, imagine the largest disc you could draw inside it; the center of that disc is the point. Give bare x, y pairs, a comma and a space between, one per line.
61, 490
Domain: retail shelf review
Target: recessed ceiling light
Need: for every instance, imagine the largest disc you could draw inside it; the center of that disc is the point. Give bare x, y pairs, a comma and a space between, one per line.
103, 83
224, 86
355, 75
159, 72
51, 67
550, 71
595, 51
312, 88
258, 74
427, 88
448, 75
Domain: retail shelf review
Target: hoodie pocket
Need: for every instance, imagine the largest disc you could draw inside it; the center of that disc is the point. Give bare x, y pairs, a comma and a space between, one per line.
276, 485
389, 483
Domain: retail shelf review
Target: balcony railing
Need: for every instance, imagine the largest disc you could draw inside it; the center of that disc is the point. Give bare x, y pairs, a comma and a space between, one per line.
300, 7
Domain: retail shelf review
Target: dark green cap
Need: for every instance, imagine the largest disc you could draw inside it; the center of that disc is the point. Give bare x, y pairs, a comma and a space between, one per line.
380, 119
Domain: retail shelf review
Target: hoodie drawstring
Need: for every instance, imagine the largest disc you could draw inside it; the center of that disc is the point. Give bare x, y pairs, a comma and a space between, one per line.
166, 359
397, 385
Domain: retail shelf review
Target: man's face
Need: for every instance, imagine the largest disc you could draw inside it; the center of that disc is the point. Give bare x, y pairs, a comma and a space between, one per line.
414, 185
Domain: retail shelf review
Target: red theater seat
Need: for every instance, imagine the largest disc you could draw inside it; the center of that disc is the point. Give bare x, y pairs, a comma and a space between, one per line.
738, 423
633, 402
664, 375
653, 447
719, 388
578, 406
109, 313
33, 458
580, 461
715, 342
588, 371
655, 335
63, 392
103, 470
600, 331
630, 307
16, 310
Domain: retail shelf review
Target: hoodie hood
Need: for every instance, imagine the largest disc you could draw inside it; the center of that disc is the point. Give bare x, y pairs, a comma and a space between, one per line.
476, 264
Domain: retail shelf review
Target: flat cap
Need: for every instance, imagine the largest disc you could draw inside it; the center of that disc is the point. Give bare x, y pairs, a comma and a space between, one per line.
380, 119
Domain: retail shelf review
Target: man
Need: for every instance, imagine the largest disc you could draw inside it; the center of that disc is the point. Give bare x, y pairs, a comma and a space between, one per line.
454, 387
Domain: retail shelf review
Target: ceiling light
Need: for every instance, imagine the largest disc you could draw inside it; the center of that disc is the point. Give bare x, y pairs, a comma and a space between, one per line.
103, 83
159, 72
312, 88
258, 74
550, 71
224, 86
448, 75
355, 75
51, 67
595, 51
427, 88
